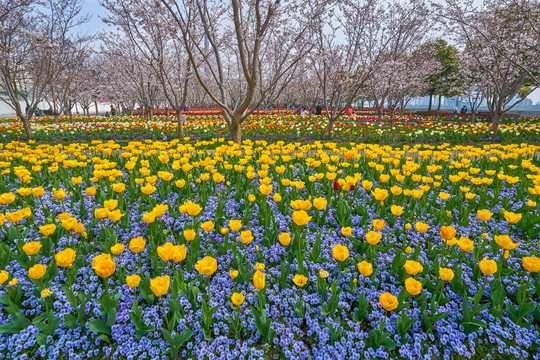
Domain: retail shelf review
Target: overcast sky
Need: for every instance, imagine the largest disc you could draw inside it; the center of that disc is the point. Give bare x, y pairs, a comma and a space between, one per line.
93, 8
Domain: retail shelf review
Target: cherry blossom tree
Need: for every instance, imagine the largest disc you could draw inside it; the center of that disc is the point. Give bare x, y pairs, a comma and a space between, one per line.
506, 47
65, 16
471, 82
227, 60
147, 25
25, 58
376, 34
128, 77
36, 52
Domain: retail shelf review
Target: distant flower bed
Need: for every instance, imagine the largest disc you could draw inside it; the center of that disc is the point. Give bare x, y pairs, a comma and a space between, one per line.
268, 251
276, 127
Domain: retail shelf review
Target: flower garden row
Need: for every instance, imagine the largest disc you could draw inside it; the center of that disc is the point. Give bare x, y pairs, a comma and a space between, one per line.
268, 250
273, 128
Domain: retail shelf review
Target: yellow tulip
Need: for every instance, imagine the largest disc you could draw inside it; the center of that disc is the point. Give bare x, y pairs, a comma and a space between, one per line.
137, 244
365, 268
379, 224
488, 267
531, 263
284, 239
246, 237
300, 217
388, 301
133, 280
300, 280
413, 267
189, 234
413, 286
237, 299
484, 214
396, 210
421, 227
465, 244
258, 280
160, 285
37, 271
340, 252
103, 265
65, 258
206, 266
166, 251
373, 237
505, 242
235, 225
446, 274
346, 231
32, 248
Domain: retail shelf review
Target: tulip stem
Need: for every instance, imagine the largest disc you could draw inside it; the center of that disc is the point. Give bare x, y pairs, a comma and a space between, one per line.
164, 314
11, 305
438, 299
18, 232
383, 320
484, 286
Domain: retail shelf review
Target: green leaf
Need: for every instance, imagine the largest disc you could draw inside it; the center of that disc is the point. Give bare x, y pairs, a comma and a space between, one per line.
55, 323
99, 326
111, 317
526, 309
39, 318
181, 339
478, 296
388, 343
41, 338
167, 336
426, 321
439, 316
473, 325
19, 323
105, 338
175, 305
465, 309
70, 296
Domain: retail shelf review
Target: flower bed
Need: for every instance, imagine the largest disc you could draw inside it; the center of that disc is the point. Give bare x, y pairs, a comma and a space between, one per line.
276, 127
163, 249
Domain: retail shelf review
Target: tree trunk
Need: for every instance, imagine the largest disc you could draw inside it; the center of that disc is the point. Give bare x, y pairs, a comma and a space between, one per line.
362, 104
27, 129
439, 107
331, 128
168, 114
473, 116
496, 121
179, 121
379, 112
236, 131
97, 111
